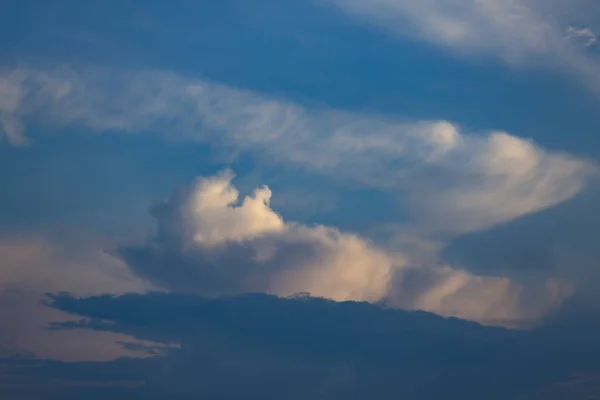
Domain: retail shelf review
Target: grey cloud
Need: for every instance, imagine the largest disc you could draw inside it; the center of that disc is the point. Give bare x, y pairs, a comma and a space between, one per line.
268, 347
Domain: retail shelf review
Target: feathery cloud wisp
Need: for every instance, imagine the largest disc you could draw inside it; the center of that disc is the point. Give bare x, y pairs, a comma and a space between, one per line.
455, 181
519, 32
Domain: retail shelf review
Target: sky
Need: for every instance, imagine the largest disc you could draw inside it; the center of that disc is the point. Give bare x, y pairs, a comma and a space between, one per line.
345, 192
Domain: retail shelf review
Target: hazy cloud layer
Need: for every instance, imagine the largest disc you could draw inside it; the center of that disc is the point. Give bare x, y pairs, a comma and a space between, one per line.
33, 266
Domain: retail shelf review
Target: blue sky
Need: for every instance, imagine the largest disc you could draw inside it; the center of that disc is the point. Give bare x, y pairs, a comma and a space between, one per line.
439, 156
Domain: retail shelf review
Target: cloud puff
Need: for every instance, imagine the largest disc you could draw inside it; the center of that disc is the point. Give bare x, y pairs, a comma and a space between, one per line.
455, 181
212, 243
208, 243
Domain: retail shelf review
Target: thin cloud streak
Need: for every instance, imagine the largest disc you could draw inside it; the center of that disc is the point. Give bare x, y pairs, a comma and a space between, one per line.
518, 32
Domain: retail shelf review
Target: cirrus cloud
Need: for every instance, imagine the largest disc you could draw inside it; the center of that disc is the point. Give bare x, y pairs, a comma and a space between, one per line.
518, 32
455, 181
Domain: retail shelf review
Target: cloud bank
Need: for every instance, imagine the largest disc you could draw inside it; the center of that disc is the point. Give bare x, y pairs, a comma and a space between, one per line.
262, 346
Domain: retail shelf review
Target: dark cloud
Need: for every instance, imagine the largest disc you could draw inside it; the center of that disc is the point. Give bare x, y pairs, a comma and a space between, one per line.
264, 347
35, 379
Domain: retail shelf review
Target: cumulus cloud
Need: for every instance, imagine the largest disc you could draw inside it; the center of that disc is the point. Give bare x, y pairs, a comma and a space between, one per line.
212, 243
208, 243
452, 181
455, 181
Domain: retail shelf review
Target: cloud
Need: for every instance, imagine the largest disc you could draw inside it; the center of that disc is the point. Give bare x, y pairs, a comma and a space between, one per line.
487, 299
20, 89
511, 27
519, 32
558, 241
33, 266
210, 242
586, 34
454, 181
266, 347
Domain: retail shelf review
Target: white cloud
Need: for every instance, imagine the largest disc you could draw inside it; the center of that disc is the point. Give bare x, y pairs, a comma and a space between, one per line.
231, 248
212, 245
456, 181
495, 179
519, 32
487, 299
215, 220
510, 27
586, 34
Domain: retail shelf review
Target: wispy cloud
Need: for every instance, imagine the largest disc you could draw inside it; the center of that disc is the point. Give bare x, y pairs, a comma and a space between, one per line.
455, 181
519, 32
586, 34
